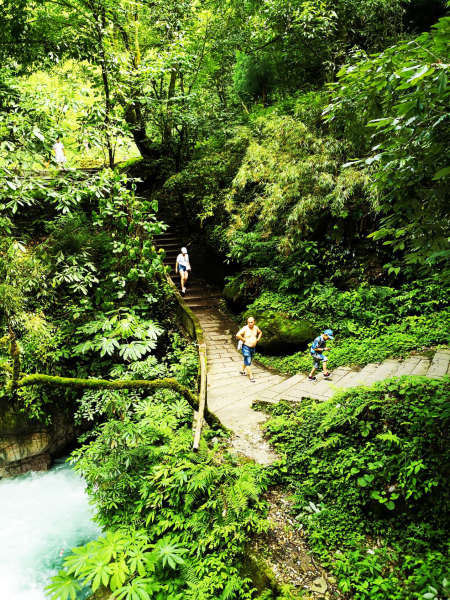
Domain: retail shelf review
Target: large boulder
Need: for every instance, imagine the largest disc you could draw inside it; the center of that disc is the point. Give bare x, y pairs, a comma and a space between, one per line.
282, 334
234, 295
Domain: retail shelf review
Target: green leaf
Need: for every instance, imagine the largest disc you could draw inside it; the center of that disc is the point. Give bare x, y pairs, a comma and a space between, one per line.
63, 586
107, 346
38, 134
424, 70
442, 173
442, 82
78, 562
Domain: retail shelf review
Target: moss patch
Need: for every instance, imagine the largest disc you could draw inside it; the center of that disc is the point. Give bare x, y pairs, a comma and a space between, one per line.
128, 164
282, 333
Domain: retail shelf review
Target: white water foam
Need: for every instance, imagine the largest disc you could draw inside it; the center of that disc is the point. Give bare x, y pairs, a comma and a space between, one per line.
41, 514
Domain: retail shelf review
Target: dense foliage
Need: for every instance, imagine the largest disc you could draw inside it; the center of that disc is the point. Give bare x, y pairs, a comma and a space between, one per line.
374, 322
369, 473
176, 521
306, 144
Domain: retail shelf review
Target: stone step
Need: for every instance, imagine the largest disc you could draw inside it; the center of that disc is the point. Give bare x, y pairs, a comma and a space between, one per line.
195, 288
288, 383
439, 365
175, 251
196, 307
168, 240
323, 386
407, 366
350, 379
305, 394
369, 369
197, 296
384, 371
422, 367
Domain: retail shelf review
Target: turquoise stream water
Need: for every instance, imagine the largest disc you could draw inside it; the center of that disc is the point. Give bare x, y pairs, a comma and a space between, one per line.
42, 516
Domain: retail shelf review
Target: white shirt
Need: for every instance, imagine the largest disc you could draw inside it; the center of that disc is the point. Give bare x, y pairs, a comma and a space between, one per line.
58, 148
183, 261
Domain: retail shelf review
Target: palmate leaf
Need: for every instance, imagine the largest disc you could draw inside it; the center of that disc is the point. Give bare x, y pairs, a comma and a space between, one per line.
94, 326
120, 572
153, 330
99, 573
78, 561
84, 347
137, 558
64, 586
107, 345
111, 545
126, 327
169, 553
138, 589
135, 350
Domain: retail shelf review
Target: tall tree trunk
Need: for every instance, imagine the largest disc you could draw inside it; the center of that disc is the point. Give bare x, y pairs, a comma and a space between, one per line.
100, 27
170, 95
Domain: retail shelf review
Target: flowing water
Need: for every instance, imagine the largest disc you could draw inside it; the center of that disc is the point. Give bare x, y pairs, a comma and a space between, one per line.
42, 516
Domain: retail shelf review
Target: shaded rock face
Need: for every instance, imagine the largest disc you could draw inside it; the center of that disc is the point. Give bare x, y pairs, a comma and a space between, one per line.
29, 446
281, 333
233, 294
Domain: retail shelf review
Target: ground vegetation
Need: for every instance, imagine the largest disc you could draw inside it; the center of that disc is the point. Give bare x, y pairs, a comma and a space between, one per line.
305, 145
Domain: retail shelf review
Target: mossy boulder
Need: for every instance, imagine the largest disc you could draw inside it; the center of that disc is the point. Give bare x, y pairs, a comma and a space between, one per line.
259, 571
281, 333
233, 294
131, 163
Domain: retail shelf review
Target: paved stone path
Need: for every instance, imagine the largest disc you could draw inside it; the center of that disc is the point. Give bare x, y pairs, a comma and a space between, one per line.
231, 396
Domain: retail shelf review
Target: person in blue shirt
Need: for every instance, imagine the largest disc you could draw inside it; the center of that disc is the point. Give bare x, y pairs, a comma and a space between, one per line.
318, 347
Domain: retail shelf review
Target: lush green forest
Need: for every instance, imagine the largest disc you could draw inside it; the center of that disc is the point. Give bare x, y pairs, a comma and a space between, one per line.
304, 146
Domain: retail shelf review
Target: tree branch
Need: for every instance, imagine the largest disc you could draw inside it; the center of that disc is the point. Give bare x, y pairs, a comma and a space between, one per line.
275, 39
103, 384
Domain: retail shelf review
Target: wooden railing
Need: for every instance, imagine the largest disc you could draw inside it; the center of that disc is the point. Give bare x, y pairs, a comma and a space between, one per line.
195, 332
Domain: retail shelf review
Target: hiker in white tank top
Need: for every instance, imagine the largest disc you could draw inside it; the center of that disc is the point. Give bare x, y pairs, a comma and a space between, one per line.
183, 266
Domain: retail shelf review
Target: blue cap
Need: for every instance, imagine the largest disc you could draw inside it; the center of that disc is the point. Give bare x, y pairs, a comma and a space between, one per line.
329, 333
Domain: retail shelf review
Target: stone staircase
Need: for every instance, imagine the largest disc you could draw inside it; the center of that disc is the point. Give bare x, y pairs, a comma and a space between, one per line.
298, 387
199, 294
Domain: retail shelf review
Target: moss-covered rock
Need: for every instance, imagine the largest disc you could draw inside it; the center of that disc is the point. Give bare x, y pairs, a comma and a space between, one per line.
233, 294
282, 333
258, 570
126, 165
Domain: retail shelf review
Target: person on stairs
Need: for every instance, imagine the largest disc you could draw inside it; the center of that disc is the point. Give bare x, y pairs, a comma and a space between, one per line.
182, 266
318, 347
60, 153
249, 336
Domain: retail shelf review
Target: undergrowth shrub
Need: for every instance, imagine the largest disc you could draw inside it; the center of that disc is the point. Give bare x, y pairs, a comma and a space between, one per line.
399, 340
370, 323
369, 470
